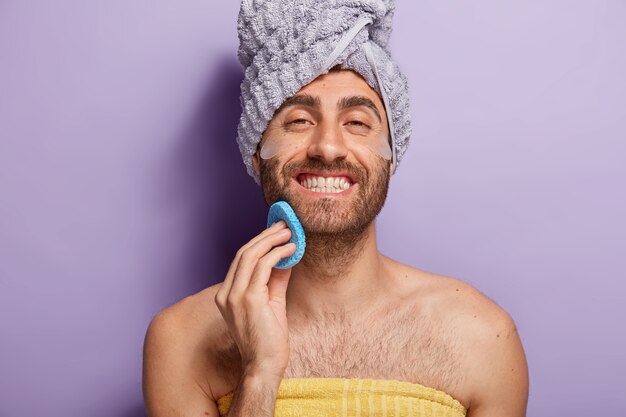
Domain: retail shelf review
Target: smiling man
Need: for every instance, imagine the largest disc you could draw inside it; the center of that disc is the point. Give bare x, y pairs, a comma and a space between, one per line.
347, 331
328, 139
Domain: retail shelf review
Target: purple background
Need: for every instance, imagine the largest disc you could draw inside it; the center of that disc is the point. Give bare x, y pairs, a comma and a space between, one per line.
122, 190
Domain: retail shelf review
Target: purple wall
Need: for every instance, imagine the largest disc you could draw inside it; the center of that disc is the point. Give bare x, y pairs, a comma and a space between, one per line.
122, 190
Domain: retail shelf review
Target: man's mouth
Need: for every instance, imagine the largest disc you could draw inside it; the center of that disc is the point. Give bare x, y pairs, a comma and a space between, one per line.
325, 183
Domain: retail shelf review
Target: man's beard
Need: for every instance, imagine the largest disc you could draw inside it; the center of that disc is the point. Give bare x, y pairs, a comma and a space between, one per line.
335, 228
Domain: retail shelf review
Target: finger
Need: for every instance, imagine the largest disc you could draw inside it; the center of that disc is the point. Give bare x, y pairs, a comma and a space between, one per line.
265, 267
233, 266
277, 285
251, 257
222, 293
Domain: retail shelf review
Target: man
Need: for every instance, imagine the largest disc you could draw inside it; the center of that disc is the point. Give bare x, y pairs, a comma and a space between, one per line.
347, 331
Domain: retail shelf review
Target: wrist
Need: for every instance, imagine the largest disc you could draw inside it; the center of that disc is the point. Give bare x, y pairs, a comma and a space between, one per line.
260, 379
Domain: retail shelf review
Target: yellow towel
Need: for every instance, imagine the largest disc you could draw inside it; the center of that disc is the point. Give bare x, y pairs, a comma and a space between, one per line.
321, 397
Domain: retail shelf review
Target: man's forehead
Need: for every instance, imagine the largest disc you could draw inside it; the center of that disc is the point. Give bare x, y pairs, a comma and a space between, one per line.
339, 81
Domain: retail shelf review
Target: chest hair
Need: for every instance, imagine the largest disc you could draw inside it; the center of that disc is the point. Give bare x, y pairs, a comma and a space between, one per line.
398, 345
401, 345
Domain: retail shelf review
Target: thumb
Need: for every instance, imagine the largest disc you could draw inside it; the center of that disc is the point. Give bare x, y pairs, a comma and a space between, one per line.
277, 284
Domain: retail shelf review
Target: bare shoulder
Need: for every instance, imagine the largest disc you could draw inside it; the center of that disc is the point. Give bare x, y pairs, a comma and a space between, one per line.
177, 372
449, 298
492, 359
192, 317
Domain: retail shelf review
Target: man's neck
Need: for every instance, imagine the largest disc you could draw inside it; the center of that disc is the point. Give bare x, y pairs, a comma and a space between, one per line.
343, 274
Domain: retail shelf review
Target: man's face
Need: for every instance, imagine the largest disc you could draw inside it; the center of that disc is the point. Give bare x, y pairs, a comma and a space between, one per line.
334, 179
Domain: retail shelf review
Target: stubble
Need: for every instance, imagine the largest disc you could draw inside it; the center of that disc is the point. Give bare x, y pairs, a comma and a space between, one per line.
335, 229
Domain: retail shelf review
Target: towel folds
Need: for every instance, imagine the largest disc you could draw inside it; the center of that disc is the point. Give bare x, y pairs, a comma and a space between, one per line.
321, 397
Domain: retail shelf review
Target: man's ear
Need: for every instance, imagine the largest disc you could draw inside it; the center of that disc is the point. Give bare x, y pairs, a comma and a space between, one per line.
256, 164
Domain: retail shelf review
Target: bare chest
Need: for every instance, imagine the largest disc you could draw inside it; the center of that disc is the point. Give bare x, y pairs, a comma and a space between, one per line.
399, 347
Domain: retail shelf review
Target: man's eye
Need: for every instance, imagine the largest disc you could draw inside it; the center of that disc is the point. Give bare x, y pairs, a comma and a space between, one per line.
357, 123
298, 122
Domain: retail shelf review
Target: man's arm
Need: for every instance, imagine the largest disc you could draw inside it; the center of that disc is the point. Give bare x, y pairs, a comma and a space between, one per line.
499, 370
172, 386
252, 304
175, 378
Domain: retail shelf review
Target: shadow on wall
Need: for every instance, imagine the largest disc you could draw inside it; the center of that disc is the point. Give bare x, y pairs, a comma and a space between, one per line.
137, 411
227, 207
205, 184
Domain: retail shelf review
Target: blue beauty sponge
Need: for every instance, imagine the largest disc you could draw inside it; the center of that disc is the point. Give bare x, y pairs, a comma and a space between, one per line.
281, 210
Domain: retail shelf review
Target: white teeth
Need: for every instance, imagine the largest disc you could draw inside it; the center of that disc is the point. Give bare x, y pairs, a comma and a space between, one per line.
325, 184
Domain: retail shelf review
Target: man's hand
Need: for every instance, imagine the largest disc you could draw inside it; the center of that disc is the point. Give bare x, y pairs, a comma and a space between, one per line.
252, 302
177, 371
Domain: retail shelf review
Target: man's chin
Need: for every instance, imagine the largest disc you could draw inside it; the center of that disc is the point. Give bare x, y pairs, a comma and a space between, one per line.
328, 223
331, 229
325, 215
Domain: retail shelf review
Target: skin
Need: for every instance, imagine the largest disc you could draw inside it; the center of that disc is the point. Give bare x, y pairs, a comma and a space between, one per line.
346, 310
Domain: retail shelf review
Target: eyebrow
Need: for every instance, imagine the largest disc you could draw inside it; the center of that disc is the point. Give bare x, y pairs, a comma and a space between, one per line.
357, 101
300, 100
345, 103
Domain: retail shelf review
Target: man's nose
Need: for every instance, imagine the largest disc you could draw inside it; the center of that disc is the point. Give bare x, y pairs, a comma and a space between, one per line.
327, 143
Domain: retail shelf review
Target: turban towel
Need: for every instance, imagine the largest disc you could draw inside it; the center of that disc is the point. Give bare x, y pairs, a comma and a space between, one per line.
286, 44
